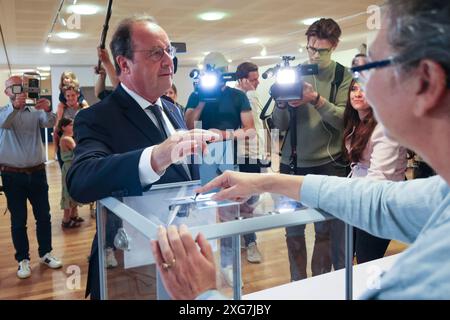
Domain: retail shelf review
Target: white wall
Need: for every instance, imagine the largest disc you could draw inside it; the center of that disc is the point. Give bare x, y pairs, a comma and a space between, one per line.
85, 75
4, 75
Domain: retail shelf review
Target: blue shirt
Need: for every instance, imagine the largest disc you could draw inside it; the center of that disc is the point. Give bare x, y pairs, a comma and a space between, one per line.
20, 136
415, 212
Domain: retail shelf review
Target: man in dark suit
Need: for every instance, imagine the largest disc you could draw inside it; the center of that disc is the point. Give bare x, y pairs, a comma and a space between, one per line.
129, 140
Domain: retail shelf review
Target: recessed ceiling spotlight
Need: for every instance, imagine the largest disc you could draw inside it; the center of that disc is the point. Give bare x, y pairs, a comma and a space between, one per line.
84, 9
47, 49
212, 16
310, 21
250, 40
68, 35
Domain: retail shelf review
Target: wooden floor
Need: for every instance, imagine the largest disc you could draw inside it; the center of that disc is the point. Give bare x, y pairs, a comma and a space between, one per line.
73, 247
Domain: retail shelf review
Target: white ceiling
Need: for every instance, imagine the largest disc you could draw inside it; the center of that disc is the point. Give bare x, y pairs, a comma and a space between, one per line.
26, 24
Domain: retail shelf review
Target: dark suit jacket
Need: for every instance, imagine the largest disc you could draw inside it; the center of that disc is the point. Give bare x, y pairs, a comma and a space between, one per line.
111, 136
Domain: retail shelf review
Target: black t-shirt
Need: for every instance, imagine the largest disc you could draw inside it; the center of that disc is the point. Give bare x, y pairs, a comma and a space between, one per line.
223, 114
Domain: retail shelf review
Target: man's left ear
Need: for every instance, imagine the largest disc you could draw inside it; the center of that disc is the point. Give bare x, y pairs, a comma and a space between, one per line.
430, 87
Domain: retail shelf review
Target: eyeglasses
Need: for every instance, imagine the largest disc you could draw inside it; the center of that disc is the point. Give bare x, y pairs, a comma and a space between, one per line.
321, 51
362, 73
157, 53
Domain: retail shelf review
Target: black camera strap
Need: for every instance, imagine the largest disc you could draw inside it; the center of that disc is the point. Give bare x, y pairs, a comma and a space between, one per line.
293, 131
263, 115
338, 78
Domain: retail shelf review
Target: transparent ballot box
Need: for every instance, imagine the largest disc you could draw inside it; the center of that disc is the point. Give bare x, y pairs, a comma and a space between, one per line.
126, 226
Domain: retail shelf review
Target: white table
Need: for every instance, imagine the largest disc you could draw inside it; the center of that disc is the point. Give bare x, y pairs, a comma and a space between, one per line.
328, 286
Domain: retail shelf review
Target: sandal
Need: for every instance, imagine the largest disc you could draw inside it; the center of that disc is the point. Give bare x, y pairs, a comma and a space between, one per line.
70, 224
77, 219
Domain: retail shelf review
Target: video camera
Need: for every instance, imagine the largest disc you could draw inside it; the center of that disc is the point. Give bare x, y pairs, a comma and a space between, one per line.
208, 84
289, 80
31, 85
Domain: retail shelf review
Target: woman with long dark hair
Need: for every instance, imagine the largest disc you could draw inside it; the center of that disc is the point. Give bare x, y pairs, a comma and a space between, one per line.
373, 155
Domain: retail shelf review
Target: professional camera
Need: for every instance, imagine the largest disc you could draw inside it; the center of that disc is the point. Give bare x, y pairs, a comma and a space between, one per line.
30, 85
208, 84
289, 80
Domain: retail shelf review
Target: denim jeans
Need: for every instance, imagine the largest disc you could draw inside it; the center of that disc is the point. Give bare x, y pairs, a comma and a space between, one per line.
18, 188
329, 246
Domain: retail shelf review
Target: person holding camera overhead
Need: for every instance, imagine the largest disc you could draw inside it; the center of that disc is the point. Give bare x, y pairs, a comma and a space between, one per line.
226, 111
23, 173
314, 144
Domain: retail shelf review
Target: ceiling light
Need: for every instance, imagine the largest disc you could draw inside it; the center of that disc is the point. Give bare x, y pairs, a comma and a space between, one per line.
230, 61
43, 68
250, 40
212, 16
44, 78
49, 35
63, 22
310, 21
68, 35
44, 74
47, 49
206, 53
300, 50
84, 9
200, 66
58, 51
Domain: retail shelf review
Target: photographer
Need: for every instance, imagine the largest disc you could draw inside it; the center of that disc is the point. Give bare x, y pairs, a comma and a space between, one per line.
231, 117
23, 173
106, 70
317, 150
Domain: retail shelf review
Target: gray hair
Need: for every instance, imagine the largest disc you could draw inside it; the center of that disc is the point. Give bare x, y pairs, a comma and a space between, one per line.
418, 30
121, 43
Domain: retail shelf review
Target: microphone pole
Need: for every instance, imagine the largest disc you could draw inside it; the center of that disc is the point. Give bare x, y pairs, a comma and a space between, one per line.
105, 29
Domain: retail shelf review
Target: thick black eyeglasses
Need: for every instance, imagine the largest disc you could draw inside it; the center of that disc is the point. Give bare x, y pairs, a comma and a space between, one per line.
374, 65
313, 50
363, 72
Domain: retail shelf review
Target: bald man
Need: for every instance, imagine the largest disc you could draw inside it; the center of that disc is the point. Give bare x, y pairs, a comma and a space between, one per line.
22, 164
